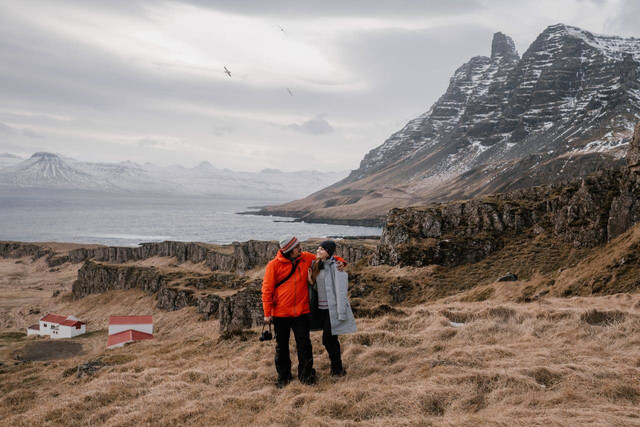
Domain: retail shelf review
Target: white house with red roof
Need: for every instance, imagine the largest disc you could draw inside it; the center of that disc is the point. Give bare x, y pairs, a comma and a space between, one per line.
58, 326
125, 329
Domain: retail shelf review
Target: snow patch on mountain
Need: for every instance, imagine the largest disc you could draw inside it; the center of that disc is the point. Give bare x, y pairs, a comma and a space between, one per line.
567, 91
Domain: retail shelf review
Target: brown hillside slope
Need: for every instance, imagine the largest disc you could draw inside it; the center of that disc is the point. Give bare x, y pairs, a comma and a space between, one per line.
563, 362
555, 361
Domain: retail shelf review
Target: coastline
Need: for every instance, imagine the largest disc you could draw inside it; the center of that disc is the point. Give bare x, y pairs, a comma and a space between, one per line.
304, 216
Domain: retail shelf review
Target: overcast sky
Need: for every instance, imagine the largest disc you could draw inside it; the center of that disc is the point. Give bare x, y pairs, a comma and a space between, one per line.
144, 80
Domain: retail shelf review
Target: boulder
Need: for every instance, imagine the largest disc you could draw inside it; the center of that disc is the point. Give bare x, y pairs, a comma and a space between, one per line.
89, 368
509, 277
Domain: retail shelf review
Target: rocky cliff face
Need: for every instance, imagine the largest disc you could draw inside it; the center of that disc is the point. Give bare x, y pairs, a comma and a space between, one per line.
571, 88
242, 310
173, 290
19, 250
237, 256
572, 93
633, 156
584, 213
469, 84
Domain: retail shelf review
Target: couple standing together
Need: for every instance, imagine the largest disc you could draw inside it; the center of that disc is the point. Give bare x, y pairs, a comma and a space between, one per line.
289, 281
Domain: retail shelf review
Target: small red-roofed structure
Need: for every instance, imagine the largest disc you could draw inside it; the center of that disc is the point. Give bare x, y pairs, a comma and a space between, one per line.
136, 323
125, 329
58, 326
124, 337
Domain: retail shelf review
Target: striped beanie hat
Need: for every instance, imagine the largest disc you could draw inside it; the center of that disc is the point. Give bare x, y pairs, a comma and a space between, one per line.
288, 242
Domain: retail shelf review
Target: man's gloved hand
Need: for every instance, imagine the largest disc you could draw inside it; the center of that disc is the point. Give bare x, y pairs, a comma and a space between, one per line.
268, 319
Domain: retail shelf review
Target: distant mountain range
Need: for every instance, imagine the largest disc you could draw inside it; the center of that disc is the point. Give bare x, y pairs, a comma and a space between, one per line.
55, 172
564, 109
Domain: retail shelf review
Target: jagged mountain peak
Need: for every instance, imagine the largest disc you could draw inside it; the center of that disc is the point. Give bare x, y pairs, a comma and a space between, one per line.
503, 46
504, 121
611, 47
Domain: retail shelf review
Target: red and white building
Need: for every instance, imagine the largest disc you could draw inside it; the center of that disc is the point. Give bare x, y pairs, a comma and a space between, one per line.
126, 329
58, 326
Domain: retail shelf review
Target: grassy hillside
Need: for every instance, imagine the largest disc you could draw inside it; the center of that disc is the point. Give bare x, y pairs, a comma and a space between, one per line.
475, 354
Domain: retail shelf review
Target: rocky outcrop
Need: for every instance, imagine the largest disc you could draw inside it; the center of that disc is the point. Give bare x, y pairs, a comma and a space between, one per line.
209, 305
242, 310
633, 155
171, 299
584, 213
19, 250
237, 256
94, 277
174, 291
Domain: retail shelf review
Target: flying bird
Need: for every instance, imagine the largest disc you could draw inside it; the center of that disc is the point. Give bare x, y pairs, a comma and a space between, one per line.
282, 29
289, 90
227, 71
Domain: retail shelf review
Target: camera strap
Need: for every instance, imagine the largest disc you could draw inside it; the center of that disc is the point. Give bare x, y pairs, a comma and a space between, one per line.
293, 269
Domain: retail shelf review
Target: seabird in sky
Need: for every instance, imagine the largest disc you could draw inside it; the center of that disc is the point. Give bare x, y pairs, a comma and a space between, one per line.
289, 90
282, 29
227, 71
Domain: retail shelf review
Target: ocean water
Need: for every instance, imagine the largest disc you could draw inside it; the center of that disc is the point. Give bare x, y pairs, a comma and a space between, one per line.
130, 220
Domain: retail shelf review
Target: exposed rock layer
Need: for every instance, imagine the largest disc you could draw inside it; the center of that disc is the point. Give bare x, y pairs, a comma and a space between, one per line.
233, 257
633, 156
584, 213
172, 291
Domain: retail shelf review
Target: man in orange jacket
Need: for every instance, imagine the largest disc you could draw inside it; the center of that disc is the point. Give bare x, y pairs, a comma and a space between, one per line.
285, 300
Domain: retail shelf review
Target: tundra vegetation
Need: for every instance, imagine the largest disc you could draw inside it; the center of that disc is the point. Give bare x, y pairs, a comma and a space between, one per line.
441, 345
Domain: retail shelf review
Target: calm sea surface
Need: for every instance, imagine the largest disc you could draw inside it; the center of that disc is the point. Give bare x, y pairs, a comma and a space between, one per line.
129, 220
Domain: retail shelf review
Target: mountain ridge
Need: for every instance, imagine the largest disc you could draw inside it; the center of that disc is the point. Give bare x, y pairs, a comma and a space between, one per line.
44, 170
572, 93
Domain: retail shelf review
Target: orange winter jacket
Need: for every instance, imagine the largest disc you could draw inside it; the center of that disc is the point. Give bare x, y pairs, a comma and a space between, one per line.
291, 299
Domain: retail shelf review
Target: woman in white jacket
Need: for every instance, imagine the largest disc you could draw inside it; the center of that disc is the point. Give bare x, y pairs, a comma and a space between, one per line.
333, 308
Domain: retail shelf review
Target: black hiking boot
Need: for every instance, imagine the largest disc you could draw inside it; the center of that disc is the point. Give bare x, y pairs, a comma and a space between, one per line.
282, 382
338, 372
311, 379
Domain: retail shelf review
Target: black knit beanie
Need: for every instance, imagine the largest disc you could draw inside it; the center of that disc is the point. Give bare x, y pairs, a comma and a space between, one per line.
329, 246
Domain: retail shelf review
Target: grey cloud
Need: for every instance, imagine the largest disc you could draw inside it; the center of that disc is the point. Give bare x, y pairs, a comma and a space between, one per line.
316, 126
412, 78
154, 143
32, 133
353, 8
402, 72
4, 128
626, 23
222, 130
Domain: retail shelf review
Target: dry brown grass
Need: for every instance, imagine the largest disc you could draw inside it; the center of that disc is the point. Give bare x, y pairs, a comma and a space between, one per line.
567, 361
554, 361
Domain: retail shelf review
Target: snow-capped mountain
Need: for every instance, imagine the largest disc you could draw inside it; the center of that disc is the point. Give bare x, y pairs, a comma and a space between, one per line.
571, 100
571, 91
7, 160
52, 171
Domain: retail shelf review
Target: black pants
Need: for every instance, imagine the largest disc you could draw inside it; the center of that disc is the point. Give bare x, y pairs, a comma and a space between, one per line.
282, 328
331, 343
